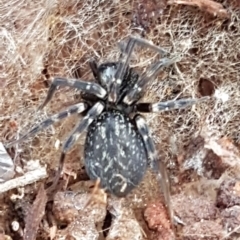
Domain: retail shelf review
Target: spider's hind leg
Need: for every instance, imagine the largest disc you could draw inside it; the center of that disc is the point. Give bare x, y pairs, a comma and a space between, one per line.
74, 135
157, 166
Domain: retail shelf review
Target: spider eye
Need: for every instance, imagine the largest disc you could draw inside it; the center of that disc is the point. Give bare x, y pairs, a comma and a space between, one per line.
107, 73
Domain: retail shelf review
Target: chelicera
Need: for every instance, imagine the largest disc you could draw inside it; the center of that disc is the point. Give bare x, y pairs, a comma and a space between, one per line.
118, 145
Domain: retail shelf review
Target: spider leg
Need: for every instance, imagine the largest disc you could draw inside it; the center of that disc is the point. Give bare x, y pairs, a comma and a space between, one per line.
169, 105
136, 92
94, 68
77, 108
87, 87
157, 166
80, 127
141, 42
124, 59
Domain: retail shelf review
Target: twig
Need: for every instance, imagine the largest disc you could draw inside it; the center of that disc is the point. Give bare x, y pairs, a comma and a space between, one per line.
27, 178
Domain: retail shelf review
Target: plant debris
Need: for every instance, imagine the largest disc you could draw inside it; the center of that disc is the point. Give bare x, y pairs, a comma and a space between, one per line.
229, 193
124, 225
194, 208
6, 165
35, 173
204, 230
35, 214
212, 7
157, 218
225, 149
81, 222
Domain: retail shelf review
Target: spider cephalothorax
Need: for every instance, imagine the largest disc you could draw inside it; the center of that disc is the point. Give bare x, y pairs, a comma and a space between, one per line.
118, 144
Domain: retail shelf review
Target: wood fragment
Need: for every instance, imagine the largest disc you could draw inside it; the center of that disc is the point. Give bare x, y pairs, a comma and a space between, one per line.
35, 214
212, 7
27, 178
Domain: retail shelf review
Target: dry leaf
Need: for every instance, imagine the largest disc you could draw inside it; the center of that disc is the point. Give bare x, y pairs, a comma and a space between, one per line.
225, 149
214, 8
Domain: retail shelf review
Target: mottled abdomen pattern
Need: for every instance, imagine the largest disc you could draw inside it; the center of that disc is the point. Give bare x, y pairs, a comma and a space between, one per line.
115, 153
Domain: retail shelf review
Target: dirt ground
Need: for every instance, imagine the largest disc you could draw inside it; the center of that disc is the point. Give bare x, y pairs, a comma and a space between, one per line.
199, 145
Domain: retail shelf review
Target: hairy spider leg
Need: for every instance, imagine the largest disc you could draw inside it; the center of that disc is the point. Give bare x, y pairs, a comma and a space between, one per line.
87, 87
94, 68
156, 165
77, 108
74, 135
134, 94
124, 59
121, 70
169, 105
144, 43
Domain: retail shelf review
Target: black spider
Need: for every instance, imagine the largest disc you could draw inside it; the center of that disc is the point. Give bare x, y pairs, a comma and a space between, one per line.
118, 144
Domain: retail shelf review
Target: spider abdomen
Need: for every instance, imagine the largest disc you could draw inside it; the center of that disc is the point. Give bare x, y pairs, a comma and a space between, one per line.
115, 153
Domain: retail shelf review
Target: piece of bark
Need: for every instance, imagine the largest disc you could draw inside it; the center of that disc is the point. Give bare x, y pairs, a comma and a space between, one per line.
35, 214
212, 7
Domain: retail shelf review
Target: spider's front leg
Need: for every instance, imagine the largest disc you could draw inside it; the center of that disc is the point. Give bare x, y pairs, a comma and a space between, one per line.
79, 128
169, 105
134, 94
124, 59
87, 87
74, 109
94, 68
157, 166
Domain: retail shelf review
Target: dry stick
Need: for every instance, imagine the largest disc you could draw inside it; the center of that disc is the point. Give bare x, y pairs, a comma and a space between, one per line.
27, 178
